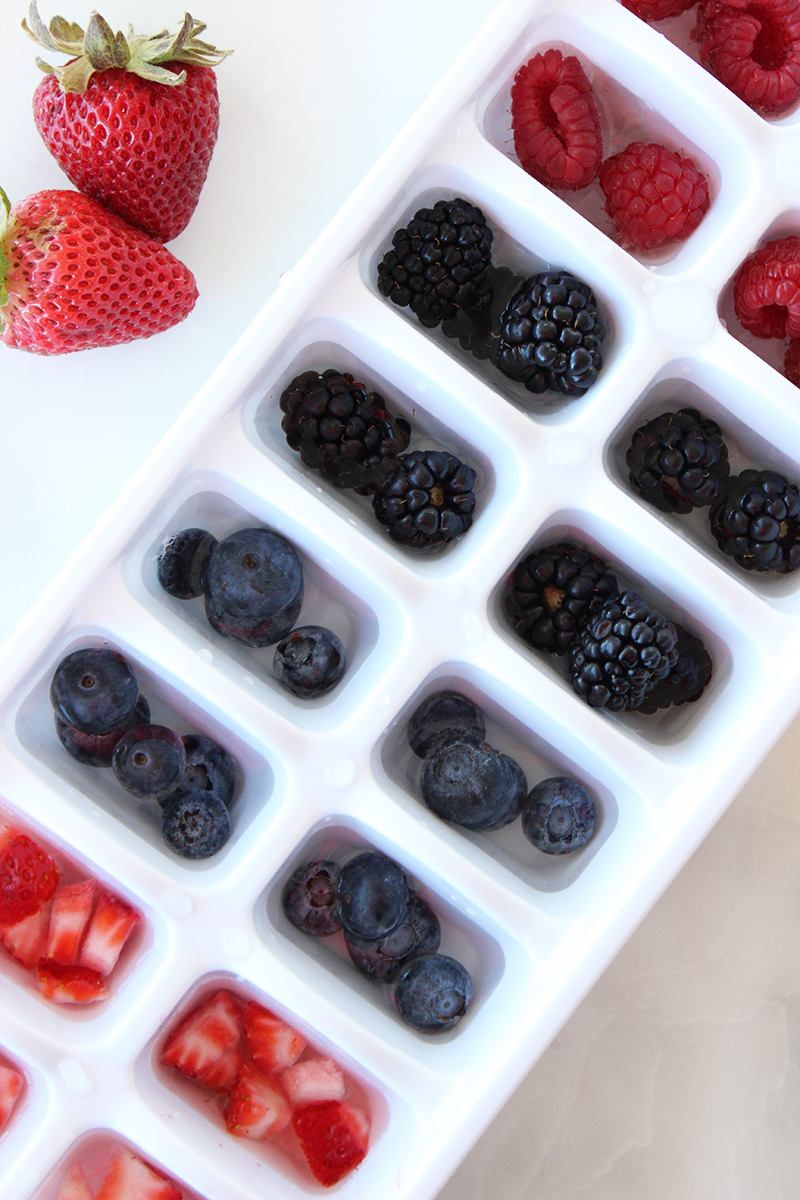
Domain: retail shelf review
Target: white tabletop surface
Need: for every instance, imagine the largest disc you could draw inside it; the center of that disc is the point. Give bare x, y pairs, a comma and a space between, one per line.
678, 1075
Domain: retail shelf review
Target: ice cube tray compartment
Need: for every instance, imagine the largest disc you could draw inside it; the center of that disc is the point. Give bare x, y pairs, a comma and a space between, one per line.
536, 935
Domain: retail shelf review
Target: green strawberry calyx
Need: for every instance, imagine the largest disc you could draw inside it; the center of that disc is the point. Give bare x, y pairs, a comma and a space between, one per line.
5, 215
99, 49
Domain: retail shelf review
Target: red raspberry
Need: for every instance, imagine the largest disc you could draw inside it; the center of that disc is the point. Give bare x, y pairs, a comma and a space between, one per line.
791, 362
754, 49
657, 10
653, 195
555, 121
766, 290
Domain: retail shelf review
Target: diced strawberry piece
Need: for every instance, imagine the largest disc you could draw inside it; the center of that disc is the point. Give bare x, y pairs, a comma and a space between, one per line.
273, 1044
334, 1138
28, 878
313, 1080
111, 925
26, 940
72, 908
255, 1108
10, 1088
70, 985
74, 1186
204, 1043
129, 1178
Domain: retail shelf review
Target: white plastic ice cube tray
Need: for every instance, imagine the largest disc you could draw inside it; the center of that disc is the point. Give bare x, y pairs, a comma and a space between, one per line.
534, 932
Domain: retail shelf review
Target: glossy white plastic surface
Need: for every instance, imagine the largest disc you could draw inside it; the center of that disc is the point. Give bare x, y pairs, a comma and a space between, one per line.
536, 934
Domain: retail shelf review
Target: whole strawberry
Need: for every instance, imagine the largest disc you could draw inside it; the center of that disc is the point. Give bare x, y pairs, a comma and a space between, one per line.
132, 121
74, 276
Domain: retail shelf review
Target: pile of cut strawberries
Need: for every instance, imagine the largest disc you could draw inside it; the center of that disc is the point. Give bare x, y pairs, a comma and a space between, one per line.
272, 1085
69, 936
127, 1178
132, 121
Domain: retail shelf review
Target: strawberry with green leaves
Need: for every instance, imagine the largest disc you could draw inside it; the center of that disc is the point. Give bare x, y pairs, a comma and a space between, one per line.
74, 276
132, 121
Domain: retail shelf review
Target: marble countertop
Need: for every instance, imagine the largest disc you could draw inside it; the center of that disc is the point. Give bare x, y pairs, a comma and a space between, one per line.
677, 1074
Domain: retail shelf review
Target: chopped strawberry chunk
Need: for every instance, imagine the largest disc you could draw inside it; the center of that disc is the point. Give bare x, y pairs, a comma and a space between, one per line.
273, 1044
26, 940
129, 1178
70, 985
72, 908
204, 1044
10, 1088
111, 925
334, 1138
255, 1108
313, 1080
28, 877
74, 1186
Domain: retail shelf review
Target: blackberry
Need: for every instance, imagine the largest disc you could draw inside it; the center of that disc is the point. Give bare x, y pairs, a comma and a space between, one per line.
440, 263
625, 649
687, 679
426, 499
757, 522
553, 591
678, 461
550, 335
340, 429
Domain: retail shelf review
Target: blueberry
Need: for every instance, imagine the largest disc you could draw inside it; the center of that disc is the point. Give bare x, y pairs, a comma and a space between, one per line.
472, 785
309, 662
149, 760
94, 689
309, 898
209, 768
373, 895
433, 992
382, 959
96, 749
182, 563
441, 716
195, 824
559, 815
254, 587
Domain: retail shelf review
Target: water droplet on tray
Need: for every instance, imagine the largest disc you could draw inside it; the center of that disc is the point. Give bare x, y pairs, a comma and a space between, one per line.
174, 902
76, 1080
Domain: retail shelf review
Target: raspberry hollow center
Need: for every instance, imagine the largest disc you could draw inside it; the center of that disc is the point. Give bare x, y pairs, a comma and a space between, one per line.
771, 47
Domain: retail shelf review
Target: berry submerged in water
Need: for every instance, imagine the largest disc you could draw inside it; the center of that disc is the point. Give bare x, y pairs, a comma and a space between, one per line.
195, 824
309, 662
433, 992
469, 783
373, 895
309, 898
551, 331
182, 563
254, 587
94, 689
427, 499
382, 959
559, 815
443, 715
149, 760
